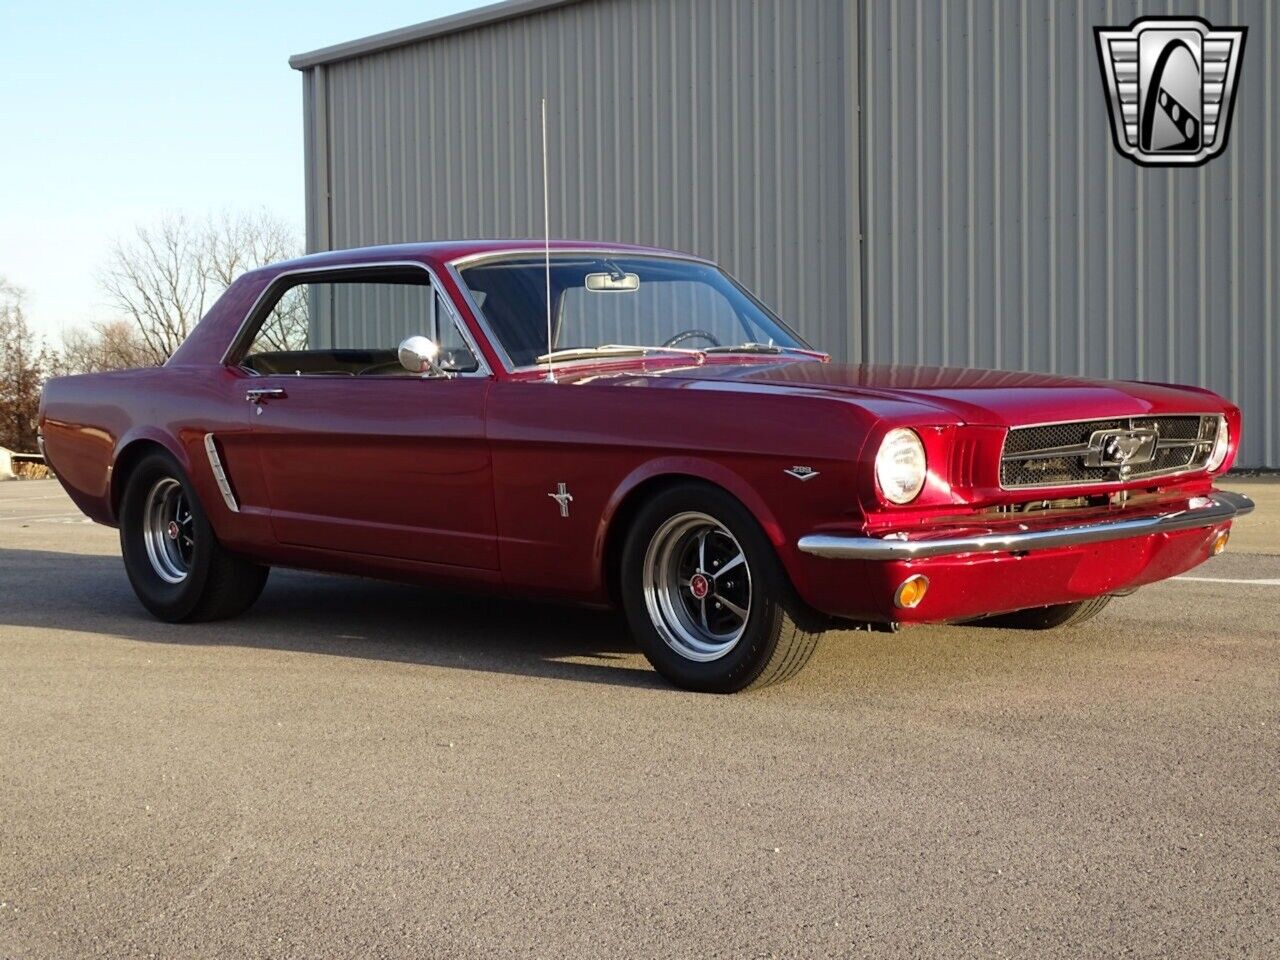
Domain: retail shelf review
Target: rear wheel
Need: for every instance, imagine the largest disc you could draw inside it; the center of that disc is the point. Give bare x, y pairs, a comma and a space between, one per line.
176, 565
1048, 618
706, 597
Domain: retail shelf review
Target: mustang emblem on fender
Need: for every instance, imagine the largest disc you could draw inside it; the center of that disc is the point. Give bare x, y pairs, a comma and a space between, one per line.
563, 497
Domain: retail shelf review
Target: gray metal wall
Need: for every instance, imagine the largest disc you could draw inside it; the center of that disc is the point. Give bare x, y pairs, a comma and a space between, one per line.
670, 122
1002, 228
999, 226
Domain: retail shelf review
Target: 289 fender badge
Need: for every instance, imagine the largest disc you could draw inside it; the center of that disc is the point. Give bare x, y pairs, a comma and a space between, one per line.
1171, 86
801, 473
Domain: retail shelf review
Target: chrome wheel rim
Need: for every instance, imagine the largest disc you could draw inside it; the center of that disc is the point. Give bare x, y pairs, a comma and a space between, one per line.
168, 530
697, 586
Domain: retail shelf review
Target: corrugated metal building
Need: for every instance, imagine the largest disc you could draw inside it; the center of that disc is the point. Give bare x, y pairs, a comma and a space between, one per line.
916, 182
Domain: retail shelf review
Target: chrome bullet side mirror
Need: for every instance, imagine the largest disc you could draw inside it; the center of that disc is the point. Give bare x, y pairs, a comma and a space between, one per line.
419, 354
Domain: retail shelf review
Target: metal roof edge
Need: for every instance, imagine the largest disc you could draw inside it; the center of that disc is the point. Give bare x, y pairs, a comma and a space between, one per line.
455, 23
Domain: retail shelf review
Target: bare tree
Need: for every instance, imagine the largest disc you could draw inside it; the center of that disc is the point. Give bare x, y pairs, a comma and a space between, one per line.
24, 363
160, 281
165, 276
239, 242
104, 345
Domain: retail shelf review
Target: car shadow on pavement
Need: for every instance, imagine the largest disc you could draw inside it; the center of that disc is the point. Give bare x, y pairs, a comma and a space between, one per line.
335, 616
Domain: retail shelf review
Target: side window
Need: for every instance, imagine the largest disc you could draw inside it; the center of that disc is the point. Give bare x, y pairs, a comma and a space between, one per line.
353, 327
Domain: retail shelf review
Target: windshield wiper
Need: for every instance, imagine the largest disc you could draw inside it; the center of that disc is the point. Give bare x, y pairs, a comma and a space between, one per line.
609, 350
752, 347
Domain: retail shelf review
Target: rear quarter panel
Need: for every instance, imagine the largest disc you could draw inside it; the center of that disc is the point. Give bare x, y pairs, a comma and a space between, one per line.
85, 421
89, 422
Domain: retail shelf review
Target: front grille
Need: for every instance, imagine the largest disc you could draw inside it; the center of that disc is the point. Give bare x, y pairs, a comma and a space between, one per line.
1056, 454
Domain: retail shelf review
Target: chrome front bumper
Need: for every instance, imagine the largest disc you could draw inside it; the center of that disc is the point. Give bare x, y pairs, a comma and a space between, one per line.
1207, 511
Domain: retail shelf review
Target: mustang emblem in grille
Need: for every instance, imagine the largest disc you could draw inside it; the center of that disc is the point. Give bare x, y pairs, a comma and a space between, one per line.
1121, 448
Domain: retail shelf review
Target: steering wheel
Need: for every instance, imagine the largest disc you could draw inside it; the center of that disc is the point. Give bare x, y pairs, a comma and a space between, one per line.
460, 360
389, 366
684, 335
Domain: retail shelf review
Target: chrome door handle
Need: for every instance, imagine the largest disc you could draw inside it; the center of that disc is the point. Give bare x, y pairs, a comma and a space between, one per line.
258, 394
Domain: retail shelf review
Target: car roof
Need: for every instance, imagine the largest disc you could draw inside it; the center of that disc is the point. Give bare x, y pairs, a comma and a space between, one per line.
447, 251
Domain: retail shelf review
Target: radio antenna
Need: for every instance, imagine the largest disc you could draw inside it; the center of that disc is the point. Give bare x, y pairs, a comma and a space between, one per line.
546, 238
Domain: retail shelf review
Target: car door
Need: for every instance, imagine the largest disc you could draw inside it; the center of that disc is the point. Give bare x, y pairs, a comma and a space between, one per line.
359, 455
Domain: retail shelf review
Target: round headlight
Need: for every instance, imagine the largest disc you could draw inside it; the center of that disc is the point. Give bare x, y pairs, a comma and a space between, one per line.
1220, 444
900, 465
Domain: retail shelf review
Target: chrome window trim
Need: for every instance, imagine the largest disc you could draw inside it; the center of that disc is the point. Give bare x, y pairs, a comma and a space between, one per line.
483, 369
471, 259
1131, 481
220, 473
456, 265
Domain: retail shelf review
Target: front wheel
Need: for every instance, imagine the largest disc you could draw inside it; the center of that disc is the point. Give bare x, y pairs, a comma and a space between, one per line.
176, 565
706, 597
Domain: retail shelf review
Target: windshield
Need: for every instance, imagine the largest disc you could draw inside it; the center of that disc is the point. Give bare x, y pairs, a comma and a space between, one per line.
619, 305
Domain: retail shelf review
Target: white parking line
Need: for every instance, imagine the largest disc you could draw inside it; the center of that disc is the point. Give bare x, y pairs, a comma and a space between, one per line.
52, 516
1260, 583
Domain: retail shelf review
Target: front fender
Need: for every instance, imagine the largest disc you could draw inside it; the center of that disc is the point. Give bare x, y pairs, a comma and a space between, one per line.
697, 468
782, 504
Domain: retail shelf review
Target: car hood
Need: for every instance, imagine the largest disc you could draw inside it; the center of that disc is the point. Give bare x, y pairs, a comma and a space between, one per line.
997, 397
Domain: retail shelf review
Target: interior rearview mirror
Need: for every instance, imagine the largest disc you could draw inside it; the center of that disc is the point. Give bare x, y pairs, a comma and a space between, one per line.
612, 283
418, 355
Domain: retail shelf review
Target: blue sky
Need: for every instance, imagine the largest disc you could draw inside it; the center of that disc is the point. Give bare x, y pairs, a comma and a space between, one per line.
115, 114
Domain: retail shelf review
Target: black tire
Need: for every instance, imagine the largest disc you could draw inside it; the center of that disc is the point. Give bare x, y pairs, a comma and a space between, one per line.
779, 633
214, 584
1049, 618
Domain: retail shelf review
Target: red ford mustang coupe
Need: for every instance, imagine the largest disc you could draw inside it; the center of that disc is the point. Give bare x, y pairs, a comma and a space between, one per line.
609, 424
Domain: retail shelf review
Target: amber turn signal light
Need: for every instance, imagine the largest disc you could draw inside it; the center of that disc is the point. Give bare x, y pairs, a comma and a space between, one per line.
911, 591
1220, 542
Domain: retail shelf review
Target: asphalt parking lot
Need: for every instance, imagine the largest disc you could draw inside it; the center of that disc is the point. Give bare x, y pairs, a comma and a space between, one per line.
360, 769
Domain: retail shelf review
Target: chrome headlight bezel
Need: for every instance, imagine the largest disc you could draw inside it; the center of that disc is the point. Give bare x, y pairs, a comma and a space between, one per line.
901, 466
1221, 444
